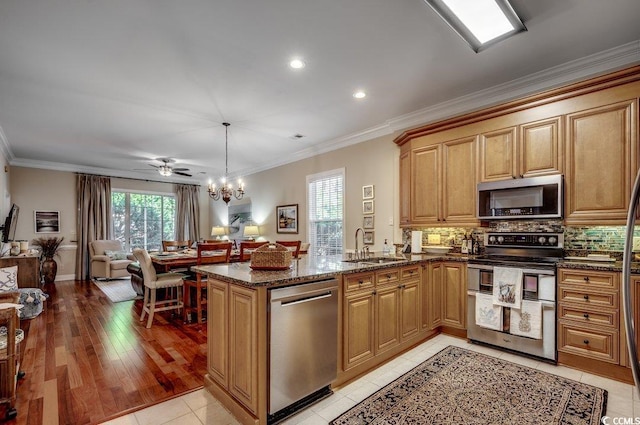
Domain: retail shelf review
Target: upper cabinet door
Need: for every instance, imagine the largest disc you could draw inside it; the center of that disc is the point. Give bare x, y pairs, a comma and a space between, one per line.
540, 149
601, 163
535, 150
405, 188
425, 185
498, 155
459, 186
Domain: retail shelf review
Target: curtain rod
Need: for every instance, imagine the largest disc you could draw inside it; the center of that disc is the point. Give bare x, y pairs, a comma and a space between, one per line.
137, 179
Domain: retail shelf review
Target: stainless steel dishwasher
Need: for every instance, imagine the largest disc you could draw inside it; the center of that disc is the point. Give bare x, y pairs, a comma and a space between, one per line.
303, 338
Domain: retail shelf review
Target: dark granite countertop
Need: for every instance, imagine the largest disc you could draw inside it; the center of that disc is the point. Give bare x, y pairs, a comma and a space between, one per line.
309, 268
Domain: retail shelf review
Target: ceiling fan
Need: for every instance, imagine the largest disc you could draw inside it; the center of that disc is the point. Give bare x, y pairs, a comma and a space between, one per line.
166, 169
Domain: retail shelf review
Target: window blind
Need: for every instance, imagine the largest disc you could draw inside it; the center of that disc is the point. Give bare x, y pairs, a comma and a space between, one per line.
326, 212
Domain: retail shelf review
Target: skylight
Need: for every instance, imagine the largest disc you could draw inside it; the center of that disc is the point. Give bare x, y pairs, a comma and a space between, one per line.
480, 22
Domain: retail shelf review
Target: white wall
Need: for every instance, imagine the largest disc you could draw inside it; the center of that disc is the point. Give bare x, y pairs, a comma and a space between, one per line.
373, 162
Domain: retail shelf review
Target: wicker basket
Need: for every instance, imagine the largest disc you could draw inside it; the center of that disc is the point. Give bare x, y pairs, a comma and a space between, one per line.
272, 256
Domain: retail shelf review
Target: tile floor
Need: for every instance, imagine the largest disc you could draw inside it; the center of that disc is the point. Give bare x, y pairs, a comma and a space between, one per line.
201, 408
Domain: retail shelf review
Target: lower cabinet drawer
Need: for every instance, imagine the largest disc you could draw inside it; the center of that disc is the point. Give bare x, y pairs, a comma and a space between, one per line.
587, 298
599, 344
589, 317
354, 282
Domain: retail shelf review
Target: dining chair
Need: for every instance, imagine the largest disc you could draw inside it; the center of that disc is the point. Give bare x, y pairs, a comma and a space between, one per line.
208, 253
154, 281
175, 245
247, 248
293, 246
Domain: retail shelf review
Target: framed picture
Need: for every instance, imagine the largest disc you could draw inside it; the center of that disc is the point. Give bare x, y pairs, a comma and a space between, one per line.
287, 218
367, 222
367, 207
367, 192
47, 221
368, 237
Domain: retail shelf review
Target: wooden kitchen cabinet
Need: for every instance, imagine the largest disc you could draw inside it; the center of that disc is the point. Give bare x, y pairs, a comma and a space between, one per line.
442, 183
233, 341
379, 319
527, 150
358, 321
589, 314
432, 296
601, 163
218, 330
405, 188
454, 298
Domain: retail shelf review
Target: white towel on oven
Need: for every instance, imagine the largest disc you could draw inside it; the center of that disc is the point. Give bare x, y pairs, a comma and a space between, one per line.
527, 321
488, 315
507, 286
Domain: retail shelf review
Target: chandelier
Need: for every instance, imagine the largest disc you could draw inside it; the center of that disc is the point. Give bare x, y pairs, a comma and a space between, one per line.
226, 191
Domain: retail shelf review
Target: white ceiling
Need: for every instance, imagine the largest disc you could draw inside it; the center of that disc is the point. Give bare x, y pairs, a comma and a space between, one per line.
108, 86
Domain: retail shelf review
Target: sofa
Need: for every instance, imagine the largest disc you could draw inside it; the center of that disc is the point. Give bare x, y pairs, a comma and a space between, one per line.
107, 259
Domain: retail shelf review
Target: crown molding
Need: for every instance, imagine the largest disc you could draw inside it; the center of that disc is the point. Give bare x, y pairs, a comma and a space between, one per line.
581, 69
591, 66
72, 168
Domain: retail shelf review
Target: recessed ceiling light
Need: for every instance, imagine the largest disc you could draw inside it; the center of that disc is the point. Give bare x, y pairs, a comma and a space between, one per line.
297, 64
359, 94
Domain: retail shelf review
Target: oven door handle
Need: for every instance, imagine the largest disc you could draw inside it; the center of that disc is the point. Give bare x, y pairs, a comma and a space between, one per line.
546, 305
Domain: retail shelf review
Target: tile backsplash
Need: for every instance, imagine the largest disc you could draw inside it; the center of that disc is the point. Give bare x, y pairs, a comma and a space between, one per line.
576, 238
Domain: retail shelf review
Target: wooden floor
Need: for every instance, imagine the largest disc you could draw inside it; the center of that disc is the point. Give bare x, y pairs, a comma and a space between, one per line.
88, 360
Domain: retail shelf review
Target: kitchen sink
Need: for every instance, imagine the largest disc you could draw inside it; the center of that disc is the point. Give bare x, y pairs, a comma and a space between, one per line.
377, 260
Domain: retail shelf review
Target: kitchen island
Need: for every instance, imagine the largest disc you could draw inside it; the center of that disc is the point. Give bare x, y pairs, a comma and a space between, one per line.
238, 321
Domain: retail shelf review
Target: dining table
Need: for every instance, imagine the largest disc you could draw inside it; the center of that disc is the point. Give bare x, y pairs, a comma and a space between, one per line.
166, 261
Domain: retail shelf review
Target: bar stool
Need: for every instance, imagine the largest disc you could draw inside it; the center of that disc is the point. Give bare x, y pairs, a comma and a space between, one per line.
208, 253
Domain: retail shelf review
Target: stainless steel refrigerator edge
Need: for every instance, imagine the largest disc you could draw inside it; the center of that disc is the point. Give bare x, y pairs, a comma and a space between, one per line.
303, 335
627, 302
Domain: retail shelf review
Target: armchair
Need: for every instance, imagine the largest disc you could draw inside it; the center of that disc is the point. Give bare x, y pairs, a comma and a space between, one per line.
107, 259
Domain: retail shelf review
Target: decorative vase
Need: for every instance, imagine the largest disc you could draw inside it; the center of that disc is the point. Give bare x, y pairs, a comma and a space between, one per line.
49, 270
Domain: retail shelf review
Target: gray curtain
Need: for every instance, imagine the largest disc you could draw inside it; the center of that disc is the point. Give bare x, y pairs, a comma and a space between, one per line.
187, 212
94, 217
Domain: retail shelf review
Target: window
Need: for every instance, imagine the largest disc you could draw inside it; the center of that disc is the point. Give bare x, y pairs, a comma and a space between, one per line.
143, 220
326, 207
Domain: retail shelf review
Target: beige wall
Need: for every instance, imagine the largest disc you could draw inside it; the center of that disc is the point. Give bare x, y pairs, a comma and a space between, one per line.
36, 189
374, 162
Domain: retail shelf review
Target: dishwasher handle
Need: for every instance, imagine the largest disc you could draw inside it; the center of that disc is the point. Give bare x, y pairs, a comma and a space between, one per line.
306, 299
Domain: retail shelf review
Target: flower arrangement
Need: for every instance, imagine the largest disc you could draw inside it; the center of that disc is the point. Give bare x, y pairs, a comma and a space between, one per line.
48, 246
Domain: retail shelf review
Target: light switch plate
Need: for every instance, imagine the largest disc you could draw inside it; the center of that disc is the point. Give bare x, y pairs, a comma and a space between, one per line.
433, 239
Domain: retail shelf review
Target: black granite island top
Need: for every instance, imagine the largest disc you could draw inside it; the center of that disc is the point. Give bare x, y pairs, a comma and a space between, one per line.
310, 268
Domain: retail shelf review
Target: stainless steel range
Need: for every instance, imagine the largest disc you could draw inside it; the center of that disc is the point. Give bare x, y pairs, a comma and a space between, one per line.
534, 255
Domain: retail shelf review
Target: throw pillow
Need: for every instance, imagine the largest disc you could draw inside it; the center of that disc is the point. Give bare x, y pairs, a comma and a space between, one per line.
115, 255
8, 280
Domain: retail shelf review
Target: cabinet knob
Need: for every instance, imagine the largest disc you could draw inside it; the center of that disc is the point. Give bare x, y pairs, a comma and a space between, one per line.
373, 293
388, 276
360, 282
399, 286
586, 278
586, 315
586, 297
586, 341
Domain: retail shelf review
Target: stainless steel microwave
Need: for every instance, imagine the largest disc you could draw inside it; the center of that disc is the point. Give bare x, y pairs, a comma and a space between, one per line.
533, 197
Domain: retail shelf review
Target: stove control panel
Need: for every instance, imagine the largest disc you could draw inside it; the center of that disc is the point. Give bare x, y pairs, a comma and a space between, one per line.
524, 240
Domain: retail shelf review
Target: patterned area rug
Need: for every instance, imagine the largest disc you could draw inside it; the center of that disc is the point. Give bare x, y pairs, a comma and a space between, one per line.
458, 386
117, 290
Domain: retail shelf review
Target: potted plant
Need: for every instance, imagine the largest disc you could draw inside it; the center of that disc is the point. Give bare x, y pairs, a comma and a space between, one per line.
48, 249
